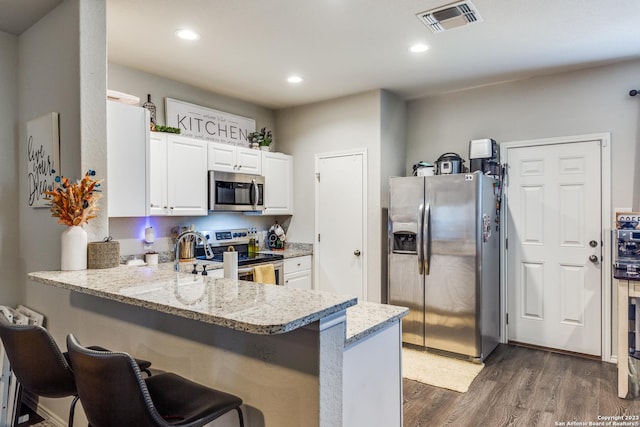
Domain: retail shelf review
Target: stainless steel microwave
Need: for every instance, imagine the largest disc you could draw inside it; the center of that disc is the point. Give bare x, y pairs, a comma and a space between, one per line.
235, 192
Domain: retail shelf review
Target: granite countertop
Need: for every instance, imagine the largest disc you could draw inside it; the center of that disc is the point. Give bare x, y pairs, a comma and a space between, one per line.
366, 318
292, 250
236, 304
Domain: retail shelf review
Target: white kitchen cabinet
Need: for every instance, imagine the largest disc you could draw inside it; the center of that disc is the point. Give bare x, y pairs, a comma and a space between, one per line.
127, 159
277, 169
229, 158
297, 272
177, 176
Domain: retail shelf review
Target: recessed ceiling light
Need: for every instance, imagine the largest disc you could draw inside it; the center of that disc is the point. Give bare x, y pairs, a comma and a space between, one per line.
187, 35
419, 48
294, 79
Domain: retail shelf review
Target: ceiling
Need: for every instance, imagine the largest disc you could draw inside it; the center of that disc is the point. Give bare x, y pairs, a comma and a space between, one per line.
248, 48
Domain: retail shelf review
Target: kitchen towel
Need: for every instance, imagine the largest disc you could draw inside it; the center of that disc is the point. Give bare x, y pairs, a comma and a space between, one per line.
230, 265
265, 273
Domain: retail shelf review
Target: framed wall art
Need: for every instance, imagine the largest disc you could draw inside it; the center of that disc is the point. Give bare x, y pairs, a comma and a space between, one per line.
43, 157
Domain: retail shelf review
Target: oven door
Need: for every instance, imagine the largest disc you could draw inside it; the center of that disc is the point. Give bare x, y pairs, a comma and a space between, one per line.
235, 192
246, 273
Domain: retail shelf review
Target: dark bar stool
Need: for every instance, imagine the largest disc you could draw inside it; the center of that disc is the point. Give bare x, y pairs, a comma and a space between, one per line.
114, 394
38, 363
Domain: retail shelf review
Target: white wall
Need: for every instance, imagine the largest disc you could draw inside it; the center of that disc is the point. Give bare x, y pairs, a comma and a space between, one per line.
348, 123
581, 102
10, 290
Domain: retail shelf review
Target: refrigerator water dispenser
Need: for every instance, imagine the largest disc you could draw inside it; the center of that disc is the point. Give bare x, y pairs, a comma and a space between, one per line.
404, 242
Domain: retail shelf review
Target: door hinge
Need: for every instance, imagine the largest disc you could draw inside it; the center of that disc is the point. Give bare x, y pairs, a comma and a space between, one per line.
506, 244
318, 237
507, 318
318, 176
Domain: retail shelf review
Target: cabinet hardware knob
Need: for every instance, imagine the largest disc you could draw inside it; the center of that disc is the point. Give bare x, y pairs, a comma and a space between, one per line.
356, 252
593, 258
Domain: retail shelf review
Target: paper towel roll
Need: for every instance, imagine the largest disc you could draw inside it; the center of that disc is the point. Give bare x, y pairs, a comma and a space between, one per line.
230, 265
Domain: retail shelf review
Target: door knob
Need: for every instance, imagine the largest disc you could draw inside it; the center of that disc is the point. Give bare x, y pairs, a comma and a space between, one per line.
593, 243
356, 252
593, 258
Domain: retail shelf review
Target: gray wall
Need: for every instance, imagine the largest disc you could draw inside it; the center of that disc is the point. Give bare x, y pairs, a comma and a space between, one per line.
581, 102
10, 290
393, 123
52, 77
138, 83
371, 120
129, 231
49, 69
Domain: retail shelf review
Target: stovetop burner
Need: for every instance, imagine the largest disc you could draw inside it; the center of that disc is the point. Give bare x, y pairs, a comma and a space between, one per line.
221, 240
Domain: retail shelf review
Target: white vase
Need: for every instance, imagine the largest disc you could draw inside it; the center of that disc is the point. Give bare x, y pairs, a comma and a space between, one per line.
73, 248
264, 147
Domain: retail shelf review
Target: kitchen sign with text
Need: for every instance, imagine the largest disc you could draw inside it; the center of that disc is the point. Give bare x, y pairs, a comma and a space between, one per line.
43, 157
208, 124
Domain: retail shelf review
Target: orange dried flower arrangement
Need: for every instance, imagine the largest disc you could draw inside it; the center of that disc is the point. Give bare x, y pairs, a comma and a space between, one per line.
74, 203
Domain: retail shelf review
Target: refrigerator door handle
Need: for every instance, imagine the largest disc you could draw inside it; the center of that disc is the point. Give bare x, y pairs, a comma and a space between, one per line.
426, 239
420, 239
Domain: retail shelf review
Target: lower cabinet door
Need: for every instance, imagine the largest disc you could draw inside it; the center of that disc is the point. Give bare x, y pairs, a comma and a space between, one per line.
298, 280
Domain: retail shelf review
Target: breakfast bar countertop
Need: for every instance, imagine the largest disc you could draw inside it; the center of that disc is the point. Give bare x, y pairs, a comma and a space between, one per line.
245, 306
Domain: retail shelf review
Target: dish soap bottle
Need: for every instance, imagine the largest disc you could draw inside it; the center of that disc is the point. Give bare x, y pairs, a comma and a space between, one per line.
252, 243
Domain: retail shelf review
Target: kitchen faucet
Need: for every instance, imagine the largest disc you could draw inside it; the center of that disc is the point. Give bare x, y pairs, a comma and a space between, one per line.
207, 249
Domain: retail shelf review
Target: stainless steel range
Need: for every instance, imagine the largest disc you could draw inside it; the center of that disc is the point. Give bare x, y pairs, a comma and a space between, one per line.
238, 238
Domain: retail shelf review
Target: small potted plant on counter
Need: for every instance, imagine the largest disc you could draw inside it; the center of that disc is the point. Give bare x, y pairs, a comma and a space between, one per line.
261, 139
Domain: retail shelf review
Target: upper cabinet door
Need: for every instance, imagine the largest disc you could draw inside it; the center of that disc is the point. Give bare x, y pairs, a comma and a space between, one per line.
248, 161
158, 203
127, 159
222, 157
277, 169
229, 158
187, 176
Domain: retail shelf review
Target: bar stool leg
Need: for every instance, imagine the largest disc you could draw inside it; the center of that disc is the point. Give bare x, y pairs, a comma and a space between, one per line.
240, 416
72, 410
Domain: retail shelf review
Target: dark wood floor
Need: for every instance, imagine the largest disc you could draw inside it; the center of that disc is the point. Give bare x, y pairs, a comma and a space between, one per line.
522, 387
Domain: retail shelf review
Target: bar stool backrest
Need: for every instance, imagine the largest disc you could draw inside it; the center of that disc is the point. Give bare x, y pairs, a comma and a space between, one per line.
36, 360
111, 388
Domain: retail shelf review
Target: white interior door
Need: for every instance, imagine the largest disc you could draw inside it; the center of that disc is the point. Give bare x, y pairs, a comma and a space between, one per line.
554, 246
339, 253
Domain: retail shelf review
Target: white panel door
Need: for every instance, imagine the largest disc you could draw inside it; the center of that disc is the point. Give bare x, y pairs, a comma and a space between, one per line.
554, 246
340, 224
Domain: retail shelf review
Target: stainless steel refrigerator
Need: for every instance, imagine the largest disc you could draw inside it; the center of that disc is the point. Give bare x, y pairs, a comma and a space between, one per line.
444, 261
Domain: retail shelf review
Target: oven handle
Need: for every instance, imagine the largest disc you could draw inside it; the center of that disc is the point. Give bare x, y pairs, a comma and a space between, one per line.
245, 270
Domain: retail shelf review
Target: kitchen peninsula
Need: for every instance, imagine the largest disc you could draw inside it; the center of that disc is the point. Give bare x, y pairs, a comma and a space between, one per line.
295, 357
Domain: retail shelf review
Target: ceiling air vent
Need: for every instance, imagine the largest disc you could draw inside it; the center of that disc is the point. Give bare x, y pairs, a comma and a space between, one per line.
450, 16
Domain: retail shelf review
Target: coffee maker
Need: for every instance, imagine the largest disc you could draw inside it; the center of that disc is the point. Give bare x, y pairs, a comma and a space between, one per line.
484, 156
628, 253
